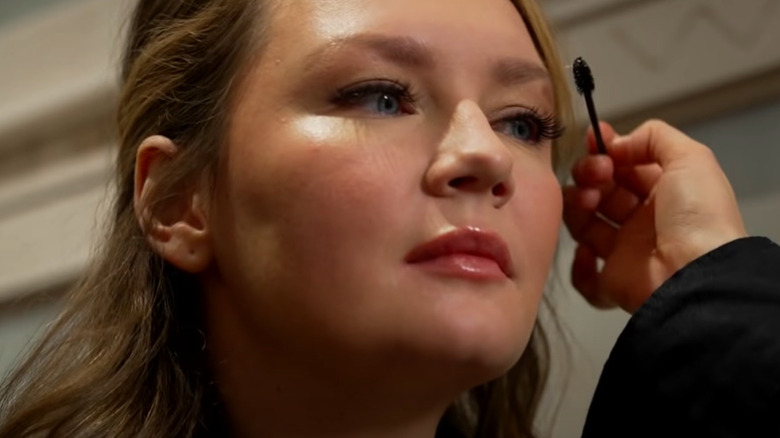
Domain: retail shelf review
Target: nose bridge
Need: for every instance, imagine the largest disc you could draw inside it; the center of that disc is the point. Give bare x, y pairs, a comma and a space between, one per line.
470, 136
467, 125
471, 157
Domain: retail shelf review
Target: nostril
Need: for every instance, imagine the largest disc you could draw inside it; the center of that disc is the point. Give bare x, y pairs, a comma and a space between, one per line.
462, 181
499, 190
471, 183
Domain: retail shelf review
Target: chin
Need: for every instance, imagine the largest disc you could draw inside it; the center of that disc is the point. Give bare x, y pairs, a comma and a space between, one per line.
480, 349
455, 333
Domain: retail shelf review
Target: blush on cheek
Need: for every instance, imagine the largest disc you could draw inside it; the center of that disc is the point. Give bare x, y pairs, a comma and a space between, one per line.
539, 199
538, 209
330, 161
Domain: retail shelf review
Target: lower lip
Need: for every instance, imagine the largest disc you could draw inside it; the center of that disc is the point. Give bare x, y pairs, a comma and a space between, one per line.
466, 266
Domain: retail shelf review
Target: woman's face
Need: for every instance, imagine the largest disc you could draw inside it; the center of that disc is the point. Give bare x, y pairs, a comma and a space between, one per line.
366, 129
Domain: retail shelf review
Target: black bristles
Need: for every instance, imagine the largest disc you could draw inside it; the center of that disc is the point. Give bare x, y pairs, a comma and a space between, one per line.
585, 85
583, 78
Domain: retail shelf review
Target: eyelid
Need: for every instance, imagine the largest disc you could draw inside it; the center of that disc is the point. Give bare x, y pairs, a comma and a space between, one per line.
368, 86
548, 125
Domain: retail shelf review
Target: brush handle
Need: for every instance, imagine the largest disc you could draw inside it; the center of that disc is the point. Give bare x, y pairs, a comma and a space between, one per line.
594, 120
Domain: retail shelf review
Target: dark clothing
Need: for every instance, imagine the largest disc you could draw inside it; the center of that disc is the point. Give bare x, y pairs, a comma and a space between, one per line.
701, 358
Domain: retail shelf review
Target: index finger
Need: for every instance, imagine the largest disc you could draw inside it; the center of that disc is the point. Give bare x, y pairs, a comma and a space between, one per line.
654, 142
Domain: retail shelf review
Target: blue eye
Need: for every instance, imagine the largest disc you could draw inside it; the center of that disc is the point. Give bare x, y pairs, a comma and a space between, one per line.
530, 128
383, 98
523, 130
385, 104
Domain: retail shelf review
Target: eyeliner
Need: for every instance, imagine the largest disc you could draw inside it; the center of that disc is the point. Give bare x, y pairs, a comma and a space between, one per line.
583, 78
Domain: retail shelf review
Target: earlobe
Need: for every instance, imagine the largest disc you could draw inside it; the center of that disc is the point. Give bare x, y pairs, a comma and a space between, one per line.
172, 218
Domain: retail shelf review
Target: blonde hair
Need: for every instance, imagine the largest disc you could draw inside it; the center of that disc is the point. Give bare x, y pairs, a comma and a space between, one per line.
125, 358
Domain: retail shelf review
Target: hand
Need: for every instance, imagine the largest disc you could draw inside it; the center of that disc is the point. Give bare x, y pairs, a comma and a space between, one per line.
655, 203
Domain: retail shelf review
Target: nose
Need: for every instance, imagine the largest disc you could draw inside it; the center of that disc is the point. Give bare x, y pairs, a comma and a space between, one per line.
471, 159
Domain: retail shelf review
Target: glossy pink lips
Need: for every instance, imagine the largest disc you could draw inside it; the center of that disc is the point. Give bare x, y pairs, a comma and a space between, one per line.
466, 252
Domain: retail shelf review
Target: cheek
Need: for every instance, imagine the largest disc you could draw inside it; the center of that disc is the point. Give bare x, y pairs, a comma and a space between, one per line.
339, 187
533, 229
309, 168
538, 209
321, 197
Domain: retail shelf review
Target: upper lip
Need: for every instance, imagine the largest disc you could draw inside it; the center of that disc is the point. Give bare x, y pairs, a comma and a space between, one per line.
468, 240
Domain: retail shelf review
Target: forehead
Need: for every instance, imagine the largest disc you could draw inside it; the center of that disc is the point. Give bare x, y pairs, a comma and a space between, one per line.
490, 27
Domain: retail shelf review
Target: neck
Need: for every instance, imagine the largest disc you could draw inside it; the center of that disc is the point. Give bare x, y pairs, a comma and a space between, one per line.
300, 414
269, 393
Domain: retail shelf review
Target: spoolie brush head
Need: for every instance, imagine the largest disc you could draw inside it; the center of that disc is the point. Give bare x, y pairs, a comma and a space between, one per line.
583, 77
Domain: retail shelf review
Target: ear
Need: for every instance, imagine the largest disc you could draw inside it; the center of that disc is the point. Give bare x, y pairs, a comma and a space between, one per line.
176, 228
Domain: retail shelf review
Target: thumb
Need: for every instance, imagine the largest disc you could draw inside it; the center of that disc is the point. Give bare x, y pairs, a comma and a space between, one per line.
654, 142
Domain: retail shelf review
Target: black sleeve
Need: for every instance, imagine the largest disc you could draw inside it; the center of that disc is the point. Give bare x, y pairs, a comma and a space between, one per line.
701, 357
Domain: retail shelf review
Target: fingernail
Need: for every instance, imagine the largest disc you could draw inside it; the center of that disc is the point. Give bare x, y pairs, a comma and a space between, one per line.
602, 160
591, 198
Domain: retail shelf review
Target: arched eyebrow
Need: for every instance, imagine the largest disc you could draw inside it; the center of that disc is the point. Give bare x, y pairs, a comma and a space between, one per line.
512, 71
410, 52
405, 51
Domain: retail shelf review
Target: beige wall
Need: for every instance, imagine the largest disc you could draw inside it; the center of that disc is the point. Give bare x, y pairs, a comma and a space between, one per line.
687, 60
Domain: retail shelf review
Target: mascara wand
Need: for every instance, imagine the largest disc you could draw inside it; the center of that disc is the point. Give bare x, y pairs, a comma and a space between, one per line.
583, 78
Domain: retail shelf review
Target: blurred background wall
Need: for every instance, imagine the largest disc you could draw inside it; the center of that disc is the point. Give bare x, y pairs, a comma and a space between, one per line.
711, 67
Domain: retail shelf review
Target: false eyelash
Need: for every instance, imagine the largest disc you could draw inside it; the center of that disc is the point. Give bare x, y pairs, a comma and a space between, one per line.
548, 125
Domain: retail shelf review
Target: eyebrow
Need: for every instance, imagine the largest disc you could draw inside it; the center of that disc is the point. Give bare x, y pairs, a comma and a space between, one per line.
511, 71
410, 52
405, 51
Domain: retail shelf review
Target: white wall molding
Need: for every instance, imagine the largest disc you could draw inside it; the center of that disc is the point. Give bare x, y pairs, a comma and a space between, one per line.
647, 54
59, 67
566, 13
43, 185
58, 86
48, 220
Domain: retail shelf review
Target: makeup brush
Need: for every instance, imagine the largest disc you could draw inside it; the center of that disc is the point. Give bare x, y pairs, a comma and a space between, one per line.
583, 78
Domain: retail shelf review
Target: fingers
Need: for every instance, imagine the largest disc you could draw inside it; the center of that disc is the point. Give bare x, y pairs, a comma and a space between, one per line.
653, 142
618, 205
639, 180
598, 172
659, 199
577, 198
614, 193
593, 171
615, 204
604, 172
607, 133
585, 277
586, 227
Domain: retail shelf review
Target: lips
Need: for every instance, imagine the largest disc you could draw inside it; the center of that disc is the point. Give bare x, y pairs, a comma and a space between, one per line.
469, 252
